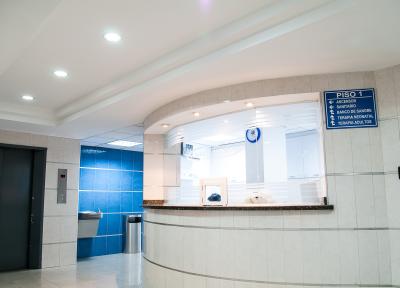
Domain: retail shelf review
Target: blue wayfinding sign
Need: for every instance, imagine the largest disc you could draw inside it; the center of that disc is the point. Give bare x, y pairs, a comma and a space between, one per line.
350, 109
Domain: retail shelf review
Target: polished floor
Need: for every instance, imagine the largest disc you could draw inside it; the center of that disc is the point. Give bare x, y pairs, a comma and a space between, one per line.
118, 270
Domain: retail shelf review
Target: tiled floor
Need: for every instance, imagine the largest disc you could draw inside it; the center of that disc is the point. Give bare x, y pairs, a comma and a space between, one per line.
117, 270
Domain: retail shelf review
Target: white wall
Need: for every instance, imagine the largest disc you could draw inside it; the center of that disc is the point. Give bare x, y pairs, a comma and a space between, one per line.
60, 220
388, 89
356, 244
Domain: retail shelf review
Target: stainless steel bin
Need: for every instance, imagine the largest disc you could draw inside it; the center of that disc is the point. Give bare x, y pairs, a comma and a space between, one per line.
133, 234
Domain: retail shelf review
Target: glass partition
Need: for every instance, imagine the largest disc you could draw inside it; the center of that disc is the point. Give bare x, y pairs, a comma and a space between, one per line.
267, 155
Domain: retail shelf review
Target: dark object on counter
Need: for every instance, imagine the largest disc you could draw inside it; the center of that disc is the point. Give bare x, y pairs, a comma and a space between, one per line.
214, 197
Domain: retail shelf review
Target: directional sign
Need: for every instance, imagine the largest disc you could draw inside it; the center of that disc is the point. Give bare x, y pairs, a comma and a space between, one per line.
350, 109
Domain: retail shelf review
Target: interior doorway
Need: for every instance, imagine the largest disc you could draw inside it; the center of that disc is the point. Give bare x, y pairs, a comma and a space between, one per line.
22, 176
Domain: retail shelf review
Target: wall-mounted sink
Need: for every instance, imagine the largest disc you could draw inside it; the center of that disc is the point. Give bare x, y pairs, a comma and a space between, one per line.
88, 223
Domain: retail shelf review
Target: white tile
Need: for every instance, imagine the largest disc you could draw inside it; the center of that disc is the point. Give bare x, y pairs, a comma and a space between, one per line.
348, 256
291, 219
385, 272
293, 256
361, 150
51, 230
52, 208
227, 256
276, 256
392, 185
174, 279
241, 219
50, 255
345, 201
171, 164
376, 149
213, 257
67, 254
311, 248
193, 281
365, 200
68, 228
395, 255
259, 255
343, 151
368, 256
330, 263
329, 218
153, 170
390, 144
52, 175
242, 253
63, 150
385, 93
381, 216
153, 143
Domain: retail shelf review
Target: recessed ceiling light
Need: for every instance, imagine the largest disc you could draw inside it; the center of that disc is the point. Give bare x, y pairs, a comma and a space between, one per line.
27, 97
249, 104
60, 73
196, 114
165, 125
112, 37
226, 121
124, 143
227, 101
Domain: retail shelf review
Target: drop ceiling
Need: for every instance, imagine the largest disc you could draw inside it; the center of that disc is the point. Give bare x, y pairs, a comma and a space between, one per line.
170, 49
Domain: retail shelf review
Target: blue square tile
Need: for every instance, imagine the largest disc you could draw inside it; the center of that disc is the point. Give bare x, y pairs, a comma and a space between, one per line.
85, 248
138, 161
86, 201
114, 244
114, 180
127, 160
100, 246
137, 202
87, 156
86, 179
100, 201
127, 201
101, 160
101, 180
114, 224
138, 181
114, 159
126, 181
114, 202
103, 225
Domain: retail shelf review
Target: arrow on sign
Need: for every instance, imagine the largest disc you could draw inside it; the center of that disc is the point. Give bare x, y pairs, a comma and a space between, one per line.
331, 107
332, 117
330, 102
332, 112
333, 123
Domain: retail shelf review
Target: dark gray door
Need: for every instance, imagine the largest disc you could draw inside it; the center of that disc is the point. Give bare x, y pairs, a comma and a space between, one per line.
15, 205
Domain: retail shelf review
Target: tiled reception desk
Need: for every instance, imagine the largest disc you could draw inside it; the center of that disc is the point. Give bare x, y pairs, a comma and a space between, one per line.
357, 244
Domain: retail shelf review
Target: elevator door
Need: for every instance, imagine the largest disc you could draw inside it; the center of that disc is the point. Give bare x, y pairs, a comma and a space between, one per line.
16, 167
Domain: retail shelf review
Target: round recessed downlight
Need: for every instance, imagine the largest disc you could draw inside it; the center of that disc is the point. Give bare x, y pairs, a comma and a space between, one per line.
165, 125
196, 114
112, 37
27, 97
249, 104
60, 73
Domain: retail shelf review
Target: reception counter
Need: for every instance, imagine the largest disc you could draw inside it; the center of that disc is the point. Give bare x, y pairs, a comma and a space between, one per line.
240, 207
268, 246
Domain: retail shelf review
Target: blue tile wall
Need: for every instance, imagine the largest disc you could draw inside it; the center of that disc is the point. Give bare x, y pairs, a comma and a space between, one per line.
111, 181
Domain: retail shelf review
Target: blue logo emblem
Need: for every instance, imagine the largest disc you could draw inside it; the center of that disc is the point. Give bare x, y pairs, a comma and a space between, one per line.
253, 135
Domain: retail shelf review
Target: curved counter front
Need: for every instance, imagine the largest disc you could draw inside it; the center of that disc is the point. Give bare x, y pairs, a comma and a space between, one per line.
260, 248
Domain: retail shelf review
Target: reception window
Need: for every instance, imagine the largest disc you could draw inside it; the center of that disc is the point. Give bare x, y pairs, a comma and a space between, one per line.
266, 155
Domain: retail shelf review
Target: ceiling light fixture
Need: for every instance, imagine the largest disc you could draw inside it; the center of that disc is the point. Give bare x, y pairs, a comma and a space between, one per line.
227, 101
124, 143
165, 125
226, 121
27, 97
249, 104
60, 73
196, 114
112, 37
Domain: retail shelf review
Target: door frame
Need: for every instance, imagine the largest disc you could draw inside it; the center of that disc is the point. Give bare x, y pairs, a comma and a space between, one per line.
37, 203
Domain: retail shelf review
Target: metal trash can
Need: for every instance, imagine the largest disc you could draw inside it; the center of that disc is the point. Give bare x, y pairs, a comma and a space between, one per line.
133, 234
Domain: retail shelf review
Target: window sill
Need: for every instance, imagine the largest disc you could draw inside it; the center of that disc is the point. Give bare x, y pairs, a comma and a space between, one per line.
239, 207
